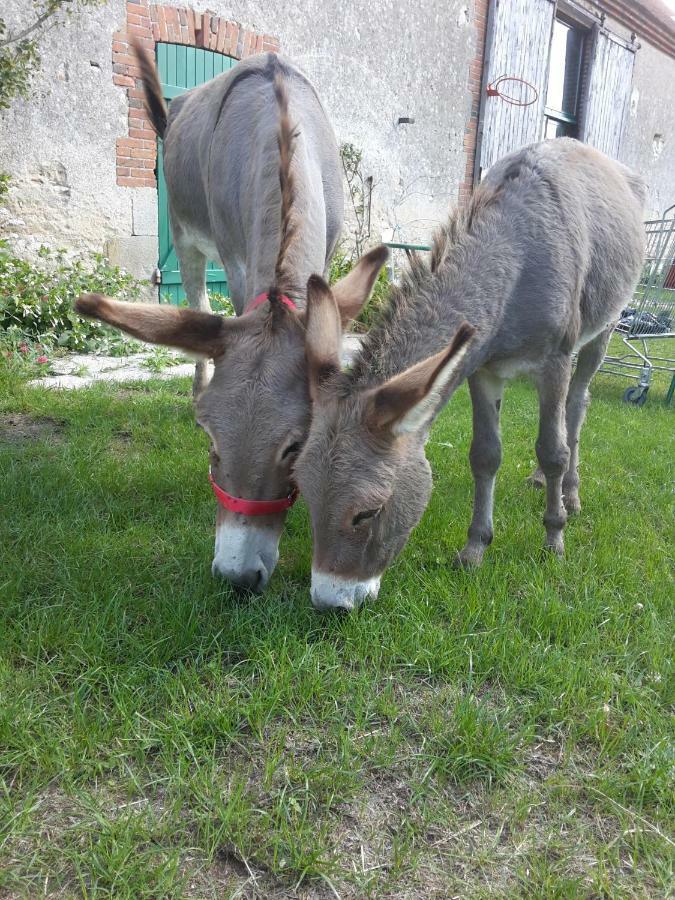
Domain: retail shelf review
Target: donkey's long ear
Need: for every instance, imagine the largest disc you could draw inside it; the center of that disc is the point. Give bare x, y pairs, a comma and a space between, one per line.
352, 291
409, 401
323, 335
187, 329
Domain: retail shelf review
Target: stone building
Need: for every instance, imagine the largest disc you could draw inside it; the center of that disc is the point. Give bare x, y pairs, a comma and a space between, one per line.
417, 89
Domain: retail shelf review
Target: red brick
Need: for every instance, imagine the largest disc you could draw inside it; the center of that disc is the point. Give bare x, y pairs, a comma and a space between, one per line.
233, 30
120, 47
144, 36
140, 134
123, 81
140, 153
137, 9
142, 21
221, 36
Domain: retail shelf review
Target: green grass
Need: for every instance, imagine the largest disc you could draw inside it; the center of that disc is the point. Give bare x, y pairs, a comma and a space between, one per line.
499, 733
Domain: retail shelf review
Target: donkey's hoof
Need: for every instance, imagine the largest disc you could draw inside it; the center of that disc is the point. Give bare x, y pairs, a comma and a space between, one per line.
572, 503
469, 557
537, 479
555, 545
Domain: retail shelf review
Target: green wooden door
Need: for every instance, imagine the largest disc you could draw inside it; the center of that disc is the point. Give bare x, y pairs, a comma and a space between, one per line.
182, 68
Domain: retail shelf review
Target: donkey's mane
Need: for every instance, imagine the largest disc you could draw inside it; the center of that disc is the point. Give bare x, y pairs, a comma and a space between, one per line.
283, 278
416, 320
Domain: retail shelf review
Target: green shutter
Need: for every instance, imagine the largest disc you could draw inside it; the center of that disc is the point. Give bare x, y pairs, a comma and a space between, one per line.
182, 68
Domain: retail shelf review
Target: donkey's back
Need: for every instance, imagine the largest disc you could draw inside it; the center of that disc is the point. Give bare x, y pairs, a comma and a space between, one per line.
571, 221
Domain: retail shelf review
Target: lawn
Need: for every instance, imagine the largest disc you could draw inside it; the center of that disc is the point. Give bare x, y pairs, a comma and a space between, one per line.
499, 733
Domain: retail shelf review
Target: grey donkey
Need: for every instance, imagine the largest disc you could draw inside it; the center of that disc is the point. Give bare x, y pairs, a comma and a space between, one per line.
537, 267
254, 180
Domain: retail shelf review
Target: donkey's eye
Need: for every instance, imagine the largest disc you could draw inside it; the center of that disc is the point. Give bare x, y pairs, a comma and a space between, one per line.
365, 515
292, 449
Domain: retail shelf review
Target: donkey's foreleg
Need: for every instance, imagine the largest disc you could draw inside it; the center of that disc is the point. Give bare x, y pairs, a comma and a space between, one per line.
485, 457
552, 450
193, 275
588, 362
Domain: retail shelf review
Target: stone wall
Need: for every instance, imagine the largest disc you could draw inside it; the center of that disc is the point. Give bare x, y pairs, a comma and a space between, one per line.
82, 156
82, 164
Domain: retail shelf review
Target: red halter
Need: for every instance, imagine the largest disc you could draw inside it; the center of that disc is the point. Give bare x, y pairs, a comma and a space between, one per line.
256, 507
261, 298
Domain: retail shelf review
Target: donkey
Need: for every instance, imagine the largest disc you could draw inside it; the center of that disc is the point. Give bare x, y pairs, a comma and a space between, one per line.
537, 267
254, 180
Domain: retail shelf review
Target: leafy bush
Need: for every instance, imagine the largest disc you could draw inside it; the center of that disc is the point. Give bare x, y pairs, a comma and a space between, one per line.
341, 265
36, 300
221, 304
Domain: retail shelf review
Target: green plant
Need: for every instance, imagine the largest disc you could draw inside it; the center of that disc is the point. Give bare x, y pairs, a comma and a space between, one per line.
221, 303
161, 358
360, 189
36, 300
341, 265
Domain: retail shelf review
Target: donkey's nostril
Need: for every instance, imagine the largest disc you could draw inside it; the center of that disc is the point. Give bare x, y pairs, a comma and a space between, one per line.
250, 579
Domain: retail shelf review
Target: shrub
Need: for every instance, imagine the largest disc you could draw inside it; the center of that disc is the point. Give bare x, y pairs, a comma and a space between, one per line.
36, 299
340, 266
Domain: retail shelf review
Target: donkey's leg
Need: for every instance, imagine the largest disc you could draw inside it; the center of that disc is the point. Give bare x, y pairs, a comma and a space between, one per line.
588, 362
485, 457
552, 450
537, 478
193, 275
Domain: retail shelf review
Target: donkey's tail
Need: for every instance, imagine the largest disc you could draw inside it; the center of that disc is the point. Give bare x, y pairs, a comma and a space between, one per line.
286, 142
154, 101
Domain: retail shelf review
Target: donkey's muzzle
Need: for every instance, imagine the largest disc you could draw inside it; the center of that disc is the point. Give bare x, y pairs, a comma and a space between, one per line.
336, 592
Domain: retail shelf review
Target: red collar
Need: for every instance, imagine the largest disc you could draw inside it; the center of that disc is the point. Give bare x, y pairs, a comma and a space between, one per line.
252, 507
256, 507
261, 298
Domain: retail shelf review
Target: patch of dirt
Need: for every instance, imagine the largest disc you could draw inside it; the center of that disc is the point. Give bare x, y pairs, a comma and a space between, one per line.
21, 428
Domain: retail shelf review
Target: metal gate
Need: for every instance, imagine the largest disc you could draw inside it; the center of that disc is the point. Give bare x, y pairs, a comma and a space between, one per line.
181, 68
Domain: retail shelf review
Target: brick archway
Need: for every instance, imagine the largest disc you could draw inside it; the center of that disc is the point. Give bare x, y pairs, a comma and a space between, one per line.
151, 23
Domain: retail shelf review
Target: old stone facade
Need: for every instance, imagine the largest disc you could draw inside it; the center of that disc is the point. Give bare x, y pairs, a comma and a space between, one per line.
82, 155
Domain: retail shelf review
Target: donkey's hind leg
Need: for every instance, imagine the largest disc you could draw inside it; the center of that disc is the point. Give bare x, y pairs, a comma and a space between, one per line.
552, 450
589, 360
485, 457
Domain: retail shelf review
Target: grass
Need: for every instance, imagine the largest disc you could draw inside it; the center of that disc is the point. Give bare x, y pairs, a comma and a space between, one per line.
499, 733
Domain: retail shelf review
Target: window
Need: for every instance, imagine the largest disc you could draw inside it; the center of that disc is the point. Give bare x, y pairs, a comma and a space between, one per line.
561, 112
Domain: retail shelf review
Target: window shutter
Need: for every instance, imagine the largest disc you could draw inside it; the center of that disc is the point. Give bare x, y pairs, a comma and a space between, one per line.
605, 106
519, 44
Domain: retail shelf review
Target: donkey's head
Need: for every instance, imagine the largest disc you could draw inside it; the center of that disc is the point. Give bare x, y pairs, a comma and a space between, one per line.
256, 408
362, 471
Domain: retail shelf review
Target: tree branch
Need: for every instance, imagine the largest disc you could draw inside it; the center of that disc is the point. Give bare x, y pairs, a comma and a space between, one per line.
29, 29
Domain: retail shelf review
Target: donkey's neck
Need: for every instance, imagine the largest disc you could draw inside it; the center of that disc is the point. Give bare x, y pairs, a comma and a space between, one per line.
424, 314
306, 253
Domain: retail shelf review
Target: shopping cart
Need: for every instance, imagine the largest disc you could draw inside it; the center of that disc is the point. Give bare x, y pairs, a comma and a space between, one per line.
650, 316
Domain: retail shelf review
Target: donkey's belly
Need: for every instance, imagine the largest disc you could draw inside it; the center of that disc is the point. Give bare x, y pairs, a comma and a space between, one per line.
588, 334
511, 367
203, 242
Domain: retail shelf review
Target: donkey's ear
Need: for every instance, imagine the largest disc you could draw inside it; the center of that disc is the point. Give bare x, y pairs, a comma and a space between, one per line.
352, 291
187, 329
323, 335
408, 402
